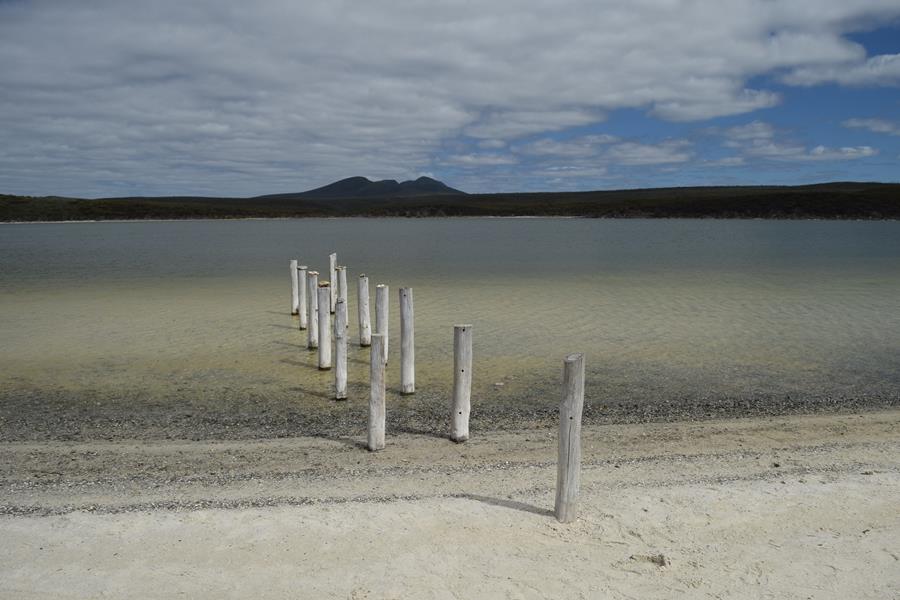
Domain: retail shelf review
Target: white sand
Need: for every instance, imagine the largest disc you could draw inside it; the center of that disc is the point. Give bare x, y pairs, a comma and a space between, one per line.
707, 497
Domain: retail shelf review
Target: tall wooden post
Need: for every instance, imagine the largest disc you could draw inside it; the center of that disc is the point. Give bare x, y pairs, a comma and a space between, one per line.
332, 264
462, 383
295, 301
407, 342
342, 284
324, 292
324, 326
568, 470
375, 439
381, 316
340, 350
312, 329
362, 306
302, 297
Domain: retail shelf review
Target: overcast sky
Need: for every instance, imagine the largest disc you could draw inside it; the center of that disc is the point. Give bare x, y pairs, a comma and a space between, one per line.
228, 97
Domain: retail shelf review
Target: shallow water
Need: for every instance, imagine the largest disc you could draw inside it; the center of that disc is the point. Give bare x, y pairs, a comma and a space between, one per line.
181, 317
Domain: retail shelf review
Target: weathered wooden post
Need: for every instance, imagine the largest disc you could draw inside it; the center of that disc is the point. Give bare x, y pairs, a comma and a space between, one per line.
362, 305
324, 292
381, 316
407, 342
332, 264
312, 328
302, 293
462, 383
342, 284
340, 350
568, 469
295, 301
376, 394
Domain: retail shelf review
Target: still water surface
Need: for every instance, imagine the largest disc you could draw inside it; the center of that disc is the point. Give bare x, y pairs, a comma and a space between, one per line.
193, 315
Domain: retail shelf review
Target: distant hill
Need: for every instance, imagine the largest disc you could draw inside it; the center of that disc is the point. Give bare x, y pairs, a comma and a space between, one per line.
361, 187
359, 197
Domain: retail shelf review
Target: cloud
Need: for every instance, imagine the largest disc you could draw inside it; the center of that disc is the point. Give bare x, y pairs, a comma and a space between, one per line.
757, 130
479, 160
874, 125
582, 146
725, 102
573, 172
514, 124
112, 97
880, 70
491, 144
728, 161
667, 152
761, 140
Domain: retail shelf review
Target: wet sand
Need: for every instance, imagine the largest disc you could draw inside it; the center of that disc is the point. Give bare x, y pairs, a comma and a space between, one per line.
792, 507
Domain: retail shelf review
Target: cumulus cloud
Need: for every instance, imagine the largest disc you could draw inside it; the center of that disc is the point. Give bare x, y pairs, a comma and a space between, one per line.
582, 146
878, 70
728, 161
110, 97
573, 171
479, 160
757, 130
667, 152
761, 140
514, 124
786, 152
874, 125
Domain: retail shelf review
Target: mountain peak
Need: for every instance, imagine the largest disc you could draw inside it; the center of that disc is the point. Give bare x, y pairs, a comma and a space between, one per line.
363, 187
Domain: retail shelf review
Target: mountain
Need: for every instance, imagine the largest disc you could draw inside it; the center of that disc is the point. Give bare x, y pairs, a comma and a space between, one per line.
361, 187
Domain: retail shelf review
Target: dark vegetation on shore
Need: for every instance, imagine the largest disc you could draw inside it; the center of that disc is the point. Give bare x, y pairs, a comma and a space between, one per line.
843, 200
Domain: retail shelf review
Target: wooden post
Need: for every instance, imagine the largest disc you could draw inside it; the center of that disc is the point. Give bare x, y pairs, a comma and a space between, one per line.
342, 284
568, 470
312, 328
324, 292
407, 342
340, 350
302, 296
376, 394
332, 264
362, 304
295, 301
381, 316
462, 383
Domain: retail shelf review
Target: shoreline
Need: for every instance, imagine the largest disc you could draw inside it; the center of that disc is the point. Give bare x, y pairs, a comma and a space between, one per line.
60, 477
788, 506
35, 419
466, 217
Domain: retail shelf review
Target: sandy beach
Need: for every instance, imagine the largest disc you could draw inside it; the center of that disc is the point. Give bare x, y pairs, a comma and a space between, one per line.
783, 507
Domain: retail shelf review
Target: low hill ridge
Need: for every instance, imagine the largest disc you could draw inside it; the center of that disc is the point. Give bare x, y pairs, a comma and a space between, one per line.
362, 187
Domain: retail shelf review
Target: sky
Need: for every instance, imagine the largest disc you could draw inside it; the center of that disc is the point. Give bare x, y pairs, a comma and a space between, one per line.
103, 98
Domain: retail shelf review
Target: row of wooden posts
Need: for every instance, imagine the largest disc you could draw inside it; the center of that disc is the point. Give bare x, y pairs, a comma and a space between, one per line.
314, 301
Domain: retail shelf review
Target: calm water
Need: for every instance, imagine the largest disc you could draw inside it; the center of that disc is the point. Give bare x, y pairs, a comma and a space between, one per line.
185, 316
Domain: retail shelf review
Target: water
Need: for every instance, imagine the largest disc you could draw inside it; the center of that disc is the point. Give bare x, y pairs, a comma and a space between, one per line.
180, 319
